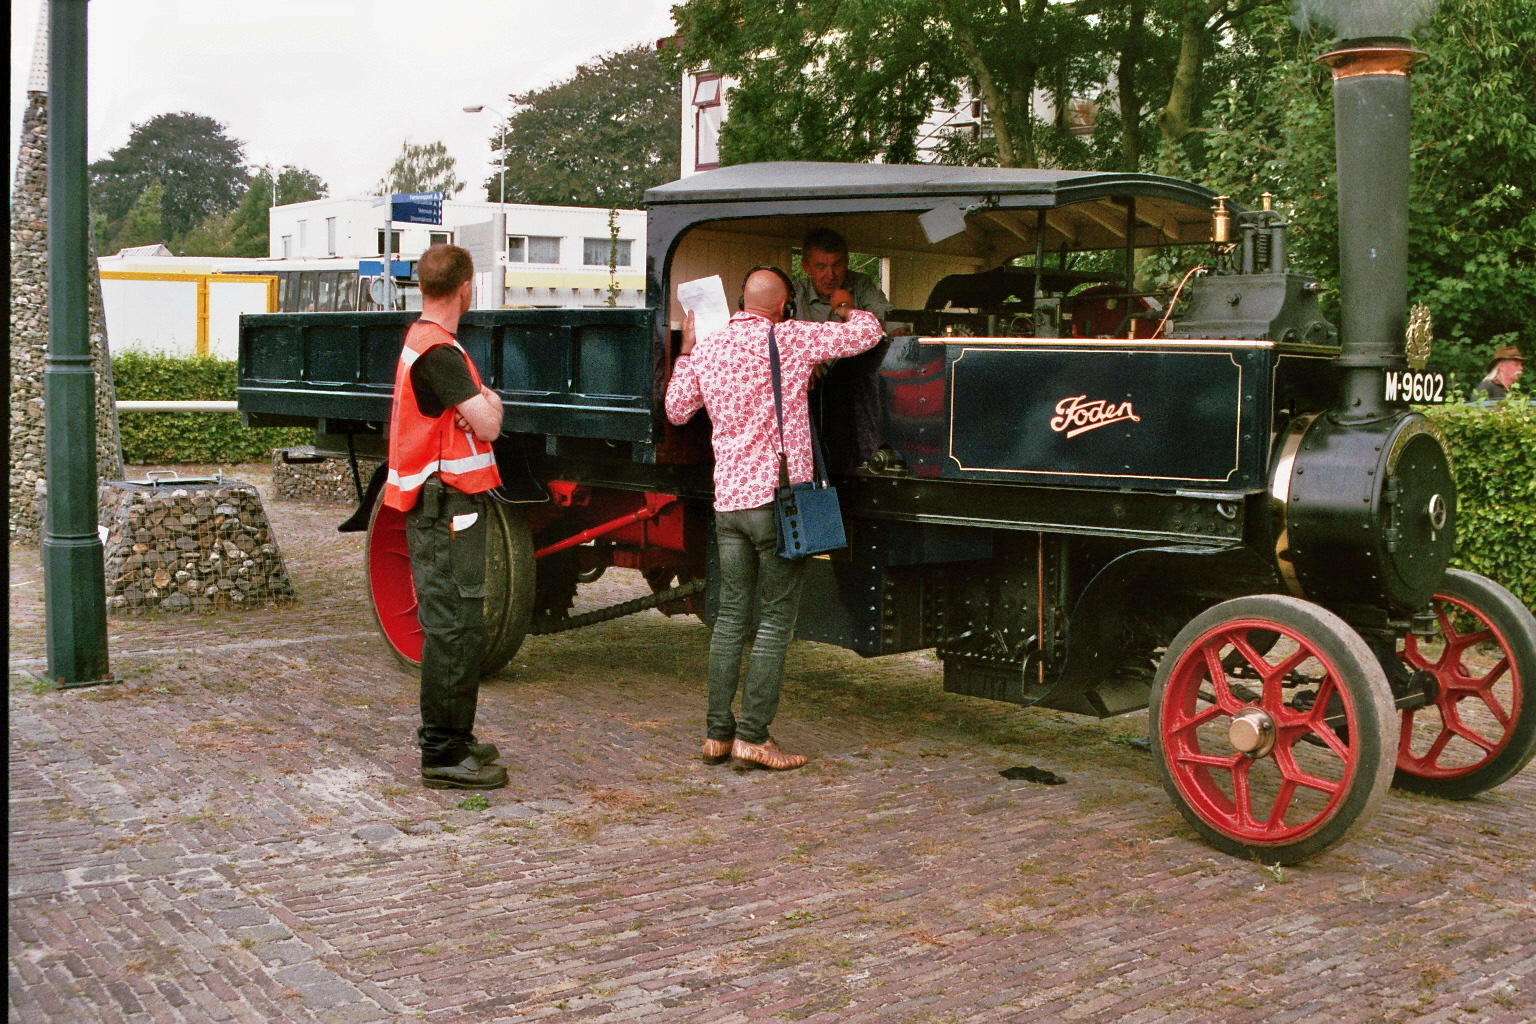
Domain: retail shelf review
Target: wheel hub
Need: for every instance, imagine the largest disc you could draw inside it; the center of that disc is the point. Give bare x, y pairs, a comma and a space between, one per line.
1252, 732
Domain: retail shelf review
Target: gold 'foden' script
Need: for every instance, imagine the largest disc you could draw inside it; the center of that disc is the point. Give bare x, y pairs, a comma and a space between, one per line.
1076, 415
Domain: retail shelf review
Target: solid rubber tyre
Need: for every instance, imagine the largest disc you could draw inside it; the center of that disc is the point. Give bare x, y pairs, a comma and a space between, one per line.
1332, 756
1480, 730
509, 575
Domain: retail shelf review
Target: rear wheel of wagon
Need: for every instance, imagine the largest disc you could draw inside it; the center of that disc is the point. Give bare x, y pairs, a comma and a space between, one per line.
1479, 727
1278, 761
509, 575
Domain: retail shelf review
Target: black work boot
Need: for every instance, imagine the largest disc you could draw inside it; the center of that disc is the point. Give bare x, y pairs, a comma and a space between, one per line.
485, 753
467, 774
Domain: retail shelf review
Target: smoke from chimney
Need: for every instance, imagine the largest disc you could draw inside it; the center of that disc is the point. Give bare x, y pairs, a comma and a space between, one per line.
1361, 19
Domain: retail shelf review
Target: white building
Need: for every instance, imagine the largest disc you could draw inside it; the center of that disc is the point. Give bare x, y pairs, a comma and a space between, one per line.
548, 256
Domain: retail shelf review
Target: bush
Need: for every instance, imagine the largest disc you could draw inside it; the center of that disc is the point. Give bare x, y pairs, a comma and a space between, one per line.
1492, 454
189, 437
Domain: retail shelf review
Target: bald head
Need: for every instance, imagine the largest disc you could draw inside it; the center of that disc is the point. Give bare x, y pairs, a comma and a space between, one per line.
764, 293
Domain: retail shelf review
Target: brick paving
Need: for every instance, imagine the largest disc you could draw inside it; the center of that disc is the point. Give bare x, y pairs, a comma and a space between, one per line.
235, 833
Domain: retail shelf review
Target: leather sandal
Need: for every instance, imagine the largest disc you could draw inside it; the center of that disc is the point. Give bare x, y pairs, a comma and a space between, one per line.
767, 755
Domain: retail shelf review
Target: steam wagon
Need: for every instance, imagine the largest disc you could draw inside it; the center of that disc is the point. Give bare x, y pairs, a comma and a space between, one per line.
1224, 511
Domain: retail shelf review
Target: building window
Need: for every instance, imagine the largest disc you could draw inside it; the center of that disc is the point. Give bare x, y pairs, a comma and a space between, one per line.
707, 117
534, 249
330, 236
440, 238
287, 247
394, 240
595, 251
303, 235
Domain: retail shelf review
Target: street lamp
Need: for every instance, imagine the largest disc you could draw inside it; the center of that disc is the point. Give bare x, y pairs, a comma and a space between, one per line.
501, 196
274, 174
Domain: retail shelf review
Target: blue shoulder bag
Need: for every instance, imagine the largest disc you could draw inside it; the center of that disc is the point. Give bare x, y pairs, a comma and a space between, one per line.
808, 516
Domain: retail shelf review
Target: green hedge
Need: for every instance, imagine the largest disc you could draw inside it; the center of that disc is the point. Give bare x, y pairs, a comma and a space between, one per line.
1493, 449
189, 437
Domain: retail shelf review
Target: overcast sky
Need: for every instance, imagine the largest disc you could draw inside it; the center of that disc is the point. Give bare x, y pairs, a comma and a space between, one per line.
333, 85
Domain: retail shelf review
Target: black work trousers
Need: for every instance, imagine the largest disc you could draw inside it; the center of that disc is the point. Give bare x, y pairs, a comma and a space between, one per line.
446, 534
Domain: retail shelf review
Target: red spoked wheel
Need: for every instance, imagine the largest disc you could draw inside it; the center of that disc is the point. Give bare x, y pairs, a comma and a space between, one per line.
1278, 760
1479, 727
391, 592
509, 577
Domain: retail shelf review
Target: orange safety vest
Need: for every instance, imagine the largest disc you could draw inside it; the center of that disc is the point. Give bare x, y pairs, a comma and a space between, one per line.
421, 445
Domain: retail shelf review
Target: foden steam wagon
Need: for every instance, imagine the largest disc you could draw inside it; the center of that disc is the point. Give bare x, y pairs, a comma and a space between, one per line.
1224, 511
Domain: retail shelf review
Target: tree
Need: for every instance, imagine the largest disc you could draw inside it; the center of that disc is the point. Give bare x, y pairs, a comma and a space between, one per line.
248, 227
143, 224
422, 168
599, 138
822, 80
1472, 233
856, 79
201, 171
213, 237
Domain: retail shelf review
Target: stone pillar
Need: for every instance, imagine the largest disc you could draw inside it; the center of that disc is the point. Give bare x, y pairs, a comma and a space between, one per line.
29, 335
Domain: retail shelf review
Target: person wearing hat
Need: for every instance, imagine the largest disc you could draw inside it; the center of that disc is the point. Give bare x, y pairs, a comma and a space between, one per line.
1503, 370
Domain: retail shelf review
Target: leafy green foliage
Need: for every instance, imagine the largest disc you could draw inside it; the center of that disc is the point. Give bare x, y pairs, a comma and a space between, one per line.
144, 223
423, 167
1472, 240
856, 79
1495, 490
599, 138
200, 169
246, 230
213, 237
188, 437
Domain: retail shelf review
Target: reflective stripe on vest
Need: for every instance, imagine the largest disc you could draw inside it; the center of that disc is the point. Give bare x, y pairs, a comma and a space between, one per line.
420, 446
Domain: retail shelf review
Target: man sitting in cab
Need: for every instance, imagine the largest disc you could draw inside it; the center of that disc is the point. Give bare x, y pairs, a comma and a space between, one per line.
824, 260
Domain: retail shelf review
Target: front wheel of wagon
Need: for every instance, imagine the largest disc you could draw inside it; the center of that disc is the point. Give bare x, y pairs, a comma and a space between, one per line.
1478, 727
1272, 750
509, 576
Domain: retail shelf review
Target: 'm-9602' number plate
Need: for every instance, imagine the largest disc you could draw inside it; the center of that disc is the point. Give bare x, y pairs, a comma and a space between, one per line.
1418, 387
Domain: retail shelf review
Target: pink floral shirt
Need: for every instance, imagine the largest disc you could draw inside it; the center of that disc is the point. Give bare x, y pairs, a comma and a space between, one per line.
728, 375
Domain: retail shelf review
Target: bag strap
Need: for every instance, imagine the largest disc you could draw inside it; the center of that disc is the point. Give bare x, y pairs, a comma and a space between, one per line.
818, 462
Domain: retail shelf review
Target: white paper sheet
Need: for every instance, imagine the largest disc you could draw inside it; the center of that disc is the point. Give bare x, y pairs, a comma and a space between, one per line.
706, 298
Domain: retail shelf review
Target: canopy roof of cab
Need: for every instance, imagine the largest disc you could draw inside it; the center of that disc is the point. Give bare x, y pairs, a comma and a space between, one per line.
1079, 209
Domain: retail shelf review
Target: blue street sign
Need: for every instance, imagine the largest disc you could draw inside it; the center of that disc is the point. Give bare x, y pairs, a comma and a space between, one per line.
417, 207
397, 268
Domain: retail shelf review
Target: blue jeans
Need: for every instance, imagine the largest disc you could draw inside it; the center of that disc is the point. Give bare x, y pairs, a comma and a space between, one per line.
749, 566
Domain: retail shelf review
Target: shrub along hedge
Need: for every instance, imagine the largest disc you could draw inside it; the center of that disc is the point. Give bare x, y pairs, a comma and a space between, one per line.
1493, 451
189, 437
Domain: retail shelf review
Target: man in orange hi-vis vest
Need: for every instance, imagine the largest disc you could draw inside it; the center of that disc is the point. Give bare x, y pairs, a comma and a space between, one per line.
440, 467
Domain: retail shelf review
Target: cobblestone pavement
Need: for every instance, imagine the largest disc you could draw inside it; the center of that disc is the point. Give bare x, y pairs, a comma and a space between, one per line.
236, 833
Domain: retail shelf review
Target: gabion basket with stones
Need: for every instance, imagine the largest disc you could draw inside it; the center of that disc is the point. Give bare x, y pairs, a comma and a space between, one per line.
189, 546
299, 475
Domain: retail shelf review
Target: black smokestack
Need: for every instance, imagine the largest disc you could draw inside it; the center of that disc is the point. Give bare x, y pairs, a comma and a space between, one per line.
1370, 109
1364, 19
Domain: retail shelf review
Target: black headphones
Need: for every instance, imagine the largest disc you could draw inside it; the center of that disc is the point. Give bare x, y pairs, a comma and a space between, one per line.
790, 313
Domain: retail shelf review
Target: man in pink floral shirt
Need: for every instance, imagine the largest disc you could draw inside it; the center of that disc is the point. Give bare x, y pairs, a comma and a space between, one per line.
727, 373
